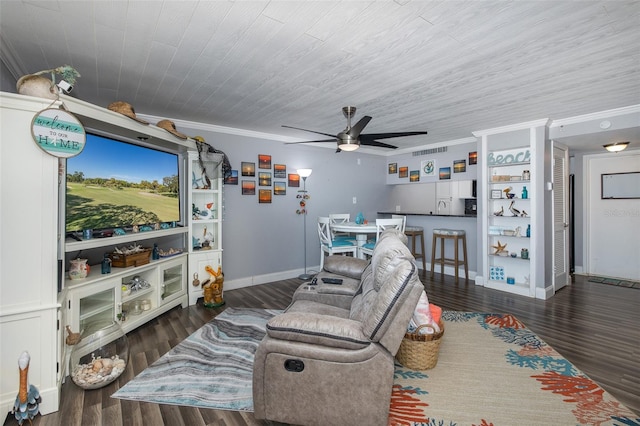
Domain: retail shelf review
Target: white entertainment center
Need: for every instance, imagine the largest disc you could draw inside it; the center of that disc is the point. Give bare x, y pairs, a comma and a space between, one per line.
37, 297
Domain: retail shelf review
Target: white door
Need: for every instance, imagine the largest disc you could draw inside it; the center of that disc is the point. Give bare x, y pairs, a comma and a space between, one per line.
560, 216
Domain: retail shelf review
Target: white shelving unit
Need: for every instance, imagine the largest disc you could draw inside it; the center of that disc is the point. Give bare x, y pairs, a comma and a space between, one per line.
512, 159
508, 220
205, 224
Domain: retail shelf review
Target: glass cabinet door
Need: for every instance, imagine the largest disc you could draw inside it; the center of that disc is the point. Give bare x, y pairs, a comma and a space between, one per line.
172, 282
97, 308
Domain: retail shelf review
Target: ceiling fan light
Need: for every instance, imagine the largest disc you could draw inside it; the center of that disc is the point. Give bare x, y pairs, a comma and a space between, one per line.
616, 146
345, 146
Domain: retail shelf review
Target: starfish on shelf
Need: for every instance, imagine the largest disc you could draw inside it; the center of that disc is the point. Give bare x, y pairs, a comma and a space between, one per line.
500, 248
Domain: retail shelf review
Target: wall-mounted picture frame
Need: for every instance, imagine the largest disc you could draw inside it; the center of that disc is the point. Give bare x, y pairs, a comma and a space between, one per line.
496, 193
459, 166
264, 196
393, 168
264, 161
248, 187
445, 173
279, 188
473, 158
264, 179
232, 179
280, 171
294, 180
414, 176
403, 172
428, 167
248, 168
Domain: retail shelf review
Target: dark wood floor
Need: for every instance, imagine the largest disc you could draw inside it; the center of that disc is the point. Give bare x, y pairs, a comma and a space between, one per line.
595, 326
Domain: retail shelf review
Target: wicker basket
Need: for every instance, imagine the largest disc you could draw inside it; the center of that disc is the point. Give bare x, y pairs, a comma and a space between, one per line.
420, 351
119, 260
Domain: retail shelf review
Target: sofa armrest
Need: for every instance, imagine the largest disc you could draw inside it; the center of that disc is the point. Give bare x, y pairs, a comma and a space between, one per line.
318, 329
344, 265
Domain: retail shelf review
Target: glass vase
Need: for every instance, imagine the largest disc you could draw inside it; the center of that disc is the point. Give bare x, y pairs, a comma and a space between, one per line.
100, 357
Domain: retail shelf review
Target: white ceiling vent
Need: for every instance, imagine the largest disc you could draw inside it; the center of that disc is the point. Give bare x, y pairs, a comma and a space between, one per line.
429, 151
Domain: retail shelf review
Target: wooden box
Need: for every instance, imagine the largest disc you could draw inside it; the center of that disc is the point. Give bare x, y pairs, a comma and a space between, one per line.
119, 260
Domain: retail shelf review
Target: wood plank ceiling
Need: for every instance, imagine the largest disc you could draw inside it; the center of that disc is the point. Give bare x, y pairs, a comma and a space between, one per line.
448, 67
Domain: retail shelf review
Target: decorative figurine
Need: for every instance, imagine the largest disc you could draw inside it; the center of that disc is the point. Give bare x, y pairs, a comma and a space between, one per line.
213, 288
72, 338
513, 210
499, 212
27, 403
500, 248
196, 281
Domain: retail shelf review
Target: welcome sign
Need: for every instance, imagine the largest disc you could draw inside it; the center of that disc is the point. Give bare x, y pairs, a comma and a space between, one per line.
58, 133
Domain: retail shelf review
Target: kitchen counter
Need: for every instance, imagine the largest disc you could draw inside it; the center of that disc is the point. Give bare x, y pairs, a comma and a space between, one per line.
429, 214
429, 222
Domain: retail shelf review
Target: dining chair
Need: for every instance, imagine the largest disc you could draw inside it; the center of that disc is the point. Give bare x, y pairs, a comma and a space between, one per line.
340, 218
381, 225
404, 220
331, 246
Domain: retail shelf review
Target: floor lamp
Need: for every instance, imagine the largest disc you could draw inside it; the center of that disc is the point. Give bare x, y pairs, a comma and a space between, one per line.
304, 174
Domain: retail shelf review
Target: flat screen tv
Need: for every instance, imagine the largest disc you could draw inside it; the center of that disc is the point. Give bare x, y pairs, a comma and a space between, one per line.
114, 184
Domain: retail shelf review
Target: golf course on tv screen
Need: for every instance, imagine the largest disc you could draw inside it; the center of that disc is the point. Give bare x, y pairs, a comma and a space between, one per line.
114, 184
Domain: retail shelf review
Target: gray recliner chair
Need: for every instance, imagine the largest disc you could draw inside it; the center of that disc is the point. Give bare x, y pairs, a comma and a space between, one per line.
321, 364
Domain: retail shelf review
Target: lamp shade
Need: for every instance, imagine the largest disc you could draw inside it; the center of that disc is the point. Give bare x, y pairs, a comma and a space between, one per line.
616, 147
304, 173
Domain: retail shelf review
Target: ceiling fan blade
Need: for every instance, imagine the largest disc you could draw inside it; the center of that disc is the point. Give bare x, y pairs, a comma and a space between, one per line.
371, 142
372, 136
321, 140
359, 126
312, 131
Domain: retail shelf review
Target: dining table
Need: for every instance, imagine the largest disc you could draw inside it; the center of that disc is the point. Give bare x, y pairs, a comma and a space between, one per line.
361, 232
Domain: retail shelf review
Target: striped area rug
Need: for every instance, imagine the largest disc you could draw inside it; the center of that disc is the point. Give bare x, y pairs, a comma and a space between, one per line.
212, 368
491, 370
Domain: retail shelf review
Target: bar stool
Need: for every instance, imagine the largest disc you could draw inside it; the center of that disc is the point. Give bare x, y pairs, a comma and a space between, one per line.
455, 235
414, 232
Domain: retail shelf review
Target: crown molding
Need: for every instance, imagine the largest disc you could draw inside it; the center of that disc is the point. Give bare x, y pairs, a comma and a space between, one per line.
632, 109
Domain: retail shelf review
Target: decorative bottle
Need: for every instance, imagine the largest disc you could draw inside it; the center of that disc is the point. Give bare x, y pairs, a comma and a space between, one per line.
155, 255
106, 264
525, 193
529, 231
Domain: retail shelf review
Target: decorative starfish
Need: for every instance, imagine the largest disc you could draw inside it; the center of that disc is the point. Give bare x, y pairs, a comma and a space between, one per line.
499, 247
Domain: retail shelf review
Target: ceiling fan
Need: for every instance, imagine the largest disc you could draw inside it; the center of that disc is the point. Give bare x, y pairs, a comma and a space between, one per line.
350, 138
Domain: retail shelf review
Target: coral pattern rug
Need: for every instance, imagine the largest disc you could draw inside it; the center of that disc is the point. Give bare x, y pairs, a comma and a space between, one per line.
491, 370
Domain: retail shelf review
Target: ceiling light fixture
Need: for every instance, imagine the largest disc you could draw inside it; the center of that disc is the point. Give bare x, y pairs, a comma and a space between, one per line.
348, 146
616, 146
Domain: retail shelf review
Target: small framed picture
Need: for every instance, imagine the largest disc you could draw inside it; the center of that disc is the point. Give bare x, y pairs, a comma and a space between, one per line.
264, 196
496, 193
264, 178
264, 161
403, 172
232, 179
445, 173
473, 158
393, 168
294, 180
248, 168
279, 188
280, 171
414, 176
248, 187
459, 166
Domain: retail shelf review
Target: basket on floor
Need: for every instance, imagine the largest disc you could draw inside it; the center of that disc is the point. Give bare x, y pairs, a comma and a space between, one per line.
420, 351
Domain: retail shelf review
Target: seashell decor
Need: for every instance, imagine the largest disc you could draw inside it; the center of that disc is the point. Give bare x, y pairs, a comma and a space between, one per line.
98, 372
